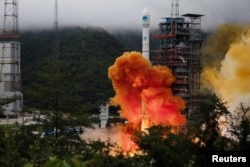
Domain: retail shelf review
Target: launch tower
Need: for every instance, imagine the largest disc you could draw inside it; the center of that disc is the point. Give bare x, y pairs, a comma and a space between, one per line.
180, 49
10, 74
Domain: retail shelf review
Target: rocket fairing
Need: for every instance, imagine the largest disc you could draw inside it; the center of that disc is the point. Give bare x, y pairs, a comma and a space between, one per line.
145, 32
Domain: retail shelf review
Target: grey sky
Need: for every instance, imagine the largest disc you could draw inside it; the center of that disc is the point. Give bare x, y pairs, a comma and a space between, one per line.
126, 13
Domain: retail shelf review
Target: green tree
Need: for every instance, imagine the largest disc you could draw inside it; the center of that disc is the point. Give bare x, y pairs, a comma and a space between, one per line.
204, 125
9, 147
166, 148
240, 128
85, 55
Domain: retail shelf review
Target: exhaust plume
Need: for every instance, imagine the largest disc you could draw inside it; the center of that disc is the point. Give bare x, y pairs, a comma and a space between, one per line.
232, 79
135, 80
217, 44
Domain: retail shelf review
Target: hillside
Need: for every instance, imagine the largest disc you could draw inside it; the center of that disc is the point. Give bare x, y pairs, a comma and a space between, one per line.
85, 55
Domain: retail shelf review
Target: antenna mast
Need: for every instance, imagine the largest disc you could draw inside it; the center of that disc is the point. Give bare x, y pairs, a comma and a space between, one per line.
56, 39
56, 71
175, 8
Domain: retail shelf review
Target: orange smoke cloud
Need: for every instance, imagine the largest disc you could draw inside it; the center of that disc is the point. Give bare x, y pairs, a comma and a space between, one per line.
135, 80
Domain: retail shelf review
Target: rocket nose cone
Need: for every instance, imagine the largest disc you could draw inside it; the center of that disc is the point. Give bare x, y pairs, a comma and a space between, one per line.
145, 11
145, 17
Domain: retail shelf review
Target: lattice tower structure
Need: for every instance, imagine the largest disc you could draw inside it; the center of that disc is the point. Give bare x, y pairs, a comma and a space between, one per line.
10, 25
175, 8
56, 73
10, 72
180, 50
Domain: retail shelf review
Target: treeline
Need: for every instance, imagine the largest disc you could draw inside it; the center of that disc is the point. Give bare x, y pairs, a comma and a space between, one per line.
159, 147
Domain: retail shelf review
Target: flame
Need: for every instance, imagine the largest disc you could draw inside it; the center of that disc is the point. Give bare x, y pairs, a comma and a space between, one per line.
144, 94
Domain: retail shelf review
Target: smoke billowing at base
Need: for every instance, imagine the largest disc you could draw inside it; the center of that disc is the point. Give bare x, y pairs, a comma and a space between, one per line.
232, 79
142, 88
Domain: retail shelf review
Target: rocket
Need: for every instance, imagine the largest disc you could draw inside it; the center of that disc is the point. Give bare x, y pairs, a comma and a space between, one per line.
145, 53
145, 32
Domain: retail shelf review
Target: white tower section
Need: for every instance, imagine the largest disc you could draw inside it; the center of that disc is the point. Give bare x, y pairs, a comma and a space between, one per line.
104, 115
145, 33
10, 77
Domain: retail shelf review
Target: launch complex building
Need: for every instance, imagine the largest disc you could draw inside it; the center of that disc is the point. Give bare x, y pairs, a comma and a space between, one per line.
179, 49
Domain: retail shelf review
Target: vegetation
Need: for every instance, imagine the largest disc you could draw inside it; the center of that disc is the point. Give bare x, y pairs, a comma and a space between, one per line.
85, 55
159, 147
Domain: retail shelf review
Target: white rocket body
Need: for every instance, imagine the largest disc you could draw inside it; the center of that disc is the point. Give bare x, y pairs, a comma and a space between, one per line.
145, 53
145, 32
